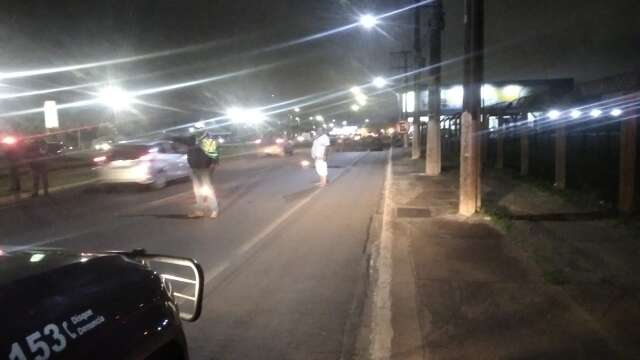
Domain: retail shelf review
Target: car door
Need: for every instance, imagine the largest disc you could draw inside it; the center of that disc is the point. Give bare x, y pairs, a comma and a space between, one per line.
165, 159
179, 155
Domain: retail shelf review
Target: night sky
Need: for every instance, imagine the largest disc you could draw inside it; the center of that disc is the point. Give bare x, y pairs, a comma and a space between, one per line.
525, 39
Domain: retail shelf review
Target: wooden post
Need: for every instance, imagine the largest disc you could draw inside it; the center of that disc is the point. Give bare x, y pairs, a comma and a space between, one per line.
524, 153
628, 153
561, 157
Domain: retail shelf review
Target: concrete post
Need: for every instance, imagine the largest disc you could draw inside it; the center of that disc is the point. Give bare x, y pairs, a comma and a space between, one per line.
628, 153
470, 193
524, 153
416, 147
561, 157
417, 136
468, 166
433, 164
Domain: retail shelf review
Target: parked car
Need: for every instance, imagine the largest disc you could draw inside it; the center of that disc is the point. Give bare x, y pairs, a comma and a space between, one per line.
122, 305
154, 163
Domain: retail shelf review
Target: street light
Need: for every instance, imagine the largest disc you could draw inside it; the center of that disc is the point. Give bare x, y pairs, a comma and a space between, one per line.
319, 118
616, 112
379, 82
575, 113
361, 99
366, 121
114, 97
246, 116
368, 21
296, 109
554, 114
355, 107
344, 123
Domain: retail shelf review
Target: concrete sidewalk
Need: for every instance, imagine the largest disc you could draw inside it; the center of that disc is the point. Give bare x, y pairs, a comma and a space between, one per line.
473, 293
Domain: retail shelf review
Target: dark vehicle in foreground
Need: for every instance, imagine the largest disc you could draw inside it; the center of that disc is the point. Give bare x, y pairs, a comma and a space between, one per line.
63, 305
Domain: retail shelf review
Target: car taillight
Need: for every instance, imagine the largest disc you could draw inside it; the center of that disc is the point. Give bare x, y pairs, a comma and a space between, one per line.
9, 140
100, 159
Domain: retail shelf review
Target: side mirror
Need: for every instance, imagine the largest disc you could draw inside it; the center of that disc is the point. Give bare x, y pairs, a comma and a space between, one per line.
182, 277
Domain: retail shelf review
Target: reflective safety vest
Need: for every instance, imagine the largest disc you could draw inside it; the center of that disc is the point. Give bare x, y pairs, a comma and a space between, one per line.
210, 147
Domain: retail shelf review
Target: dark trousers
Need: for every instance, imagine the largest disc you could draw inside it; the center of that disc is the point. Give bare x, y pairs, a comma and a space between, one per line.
40, 173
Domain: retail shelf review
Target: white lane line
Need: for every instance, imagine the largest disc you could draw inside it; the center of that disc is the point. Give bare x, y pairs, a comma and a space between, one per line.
240, 252
381, 326
213, 273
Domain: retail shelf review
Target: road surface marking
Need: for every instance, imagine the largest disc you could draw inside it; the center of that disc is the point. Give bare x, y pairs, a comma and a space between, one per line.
381, 326
214, 272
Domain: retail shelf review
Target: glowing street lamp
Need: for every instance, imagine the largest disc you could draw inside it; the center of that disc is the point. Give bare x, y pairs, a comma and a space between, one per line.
553, 114
616, 112
379, 82
114, 97
368, 21
344, 123
595, 113
319, 118
355, 107
361, 99
296, 109
245, 116
575, 113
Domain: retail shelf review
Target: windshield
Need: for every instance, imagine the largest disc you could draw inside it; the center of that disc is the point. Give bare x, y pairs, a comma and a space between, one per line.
356, 178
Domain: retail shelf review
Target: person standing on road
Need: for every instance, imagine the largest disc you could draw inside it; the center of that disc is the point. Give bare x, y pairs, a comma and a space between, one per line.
14, 153
38, 153
203, 157
319, 154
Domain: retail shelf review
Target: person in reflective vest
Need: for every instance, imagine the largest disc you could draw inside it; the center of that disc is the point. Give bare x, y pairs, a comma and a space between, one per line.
203, 157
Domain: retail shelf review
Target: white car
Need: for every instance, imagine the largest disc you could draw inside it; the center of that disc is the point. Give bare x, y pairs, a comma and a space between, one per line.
153, 163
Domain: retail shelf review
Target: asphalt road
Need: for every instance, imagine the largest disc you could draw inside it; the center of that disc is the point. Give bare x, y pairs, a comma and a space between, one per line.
285, 263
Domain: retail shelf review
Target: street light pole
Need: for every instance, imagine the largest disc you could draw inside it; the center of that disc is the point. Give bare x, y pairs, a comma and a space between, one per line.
433, 165
473, 75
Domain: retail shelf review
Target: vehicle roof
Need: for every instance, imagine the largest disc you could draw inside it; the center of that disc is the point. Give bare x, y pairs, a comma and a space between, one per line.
143, 142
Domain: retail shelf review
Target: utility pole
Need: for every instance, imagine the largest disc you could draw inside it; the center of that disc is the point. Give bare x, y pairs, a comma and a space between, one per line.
433, 165
402, 104
473, 77
419, 63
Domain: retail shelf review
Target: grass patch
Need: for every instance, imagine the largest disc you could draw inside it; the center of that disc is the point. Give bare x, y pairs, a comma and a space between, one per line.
499, 217
555, 277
